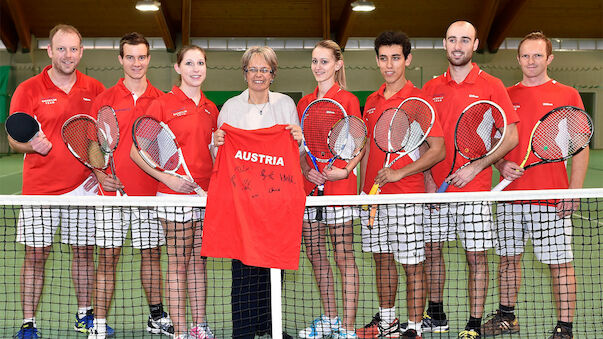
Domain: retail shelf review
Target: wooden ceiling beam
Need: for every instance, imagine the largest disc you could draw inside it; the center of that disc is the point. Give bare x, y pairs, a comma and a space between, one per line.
344, 26
167, 33
484, 25
503, 22
21, 26
8, 34
186, 22
326, 19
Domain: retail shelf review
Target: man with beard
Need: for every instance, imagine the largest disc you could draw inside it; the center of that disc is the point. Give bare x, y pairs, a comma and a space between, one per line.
53, 96
462, 84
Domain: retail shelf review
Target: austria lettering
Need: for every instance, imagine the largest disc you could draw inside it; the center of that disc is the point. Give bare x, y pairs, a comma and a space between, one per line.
260, 158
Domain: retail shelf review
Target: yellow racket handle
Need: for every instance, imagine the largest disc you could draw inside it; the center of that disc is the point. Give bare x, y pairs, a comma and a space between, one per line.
374, 190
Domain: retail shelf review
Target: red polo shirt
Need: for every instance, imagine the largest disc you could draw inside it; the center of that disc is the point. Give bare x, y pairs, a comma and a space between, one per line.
374, 107
450, 99
59, 171
532, 103
352, 107
134, 179
193, 126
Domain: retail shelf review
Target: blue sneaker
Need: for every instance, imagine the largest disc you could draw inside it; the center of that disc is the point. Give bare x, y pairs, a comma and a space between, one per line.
28, 331
85, 323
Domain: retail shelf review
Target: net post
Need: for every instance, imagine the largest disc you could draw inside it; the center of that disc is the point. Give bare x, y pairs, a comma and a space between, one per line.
276, 304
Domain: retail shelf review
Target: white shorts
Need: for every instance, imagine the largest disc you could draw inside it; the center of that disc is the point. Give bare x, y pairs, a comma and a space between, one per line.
37, 224
551, 236
331, 215
397, 229
112, 224
179, 213
471, 221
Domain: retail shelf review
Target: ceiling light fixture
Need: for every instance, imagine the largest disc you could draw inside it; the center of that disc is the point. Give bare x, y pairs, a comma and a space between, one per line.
363, 6
148, 5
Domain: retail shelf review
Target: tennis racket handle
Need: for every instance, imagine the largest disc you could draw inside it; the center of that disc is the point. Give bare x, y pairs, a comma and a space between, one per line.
321, 192
374, 190
443, 188
501, 185
200, 192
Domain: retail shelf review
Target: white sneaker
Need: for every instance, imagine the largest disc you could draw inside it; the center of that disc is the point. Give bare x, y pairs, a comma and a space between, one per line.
184, 336
320, 327
96, 333
162, 325
201, 331
342, 333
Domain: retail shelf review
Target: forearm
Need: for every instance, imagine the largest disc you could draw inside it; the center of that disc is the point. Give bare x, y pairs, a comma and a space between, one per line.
138, 160
20, 147
579, 168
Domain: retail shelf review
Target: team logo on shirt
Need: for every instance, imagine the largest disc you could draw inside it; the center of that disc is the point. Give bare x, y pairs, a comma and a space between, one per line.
260, 158
86, 99
438, 98
516, 106
547, 104
179, 112
207, 111
49, 101
474, 96
371, 110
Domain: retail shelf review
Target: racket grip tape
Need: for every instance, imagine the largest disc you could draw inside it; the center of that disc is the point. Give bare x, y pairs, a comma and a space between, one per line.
443, 188
374, 190
501, 185
320, 192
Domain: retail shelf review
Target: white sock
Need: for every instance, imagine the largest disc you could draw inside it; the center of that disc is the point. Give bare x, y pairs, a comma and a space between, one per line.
30, 320
100, 325
82, 311
388, 315
415, 326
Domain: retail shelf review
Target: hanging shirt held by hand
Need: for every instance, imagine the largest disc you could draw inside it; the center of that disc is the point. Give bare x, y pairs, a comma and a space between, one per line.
256, 199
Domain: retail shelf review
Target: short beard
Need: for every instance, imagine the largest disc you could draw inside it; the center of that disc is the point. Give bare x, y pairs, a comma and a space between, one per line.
461, 62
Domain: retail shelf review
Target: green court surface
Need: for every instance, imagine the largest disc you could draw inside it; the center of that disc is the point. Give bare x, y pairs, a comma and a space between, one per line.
301, 303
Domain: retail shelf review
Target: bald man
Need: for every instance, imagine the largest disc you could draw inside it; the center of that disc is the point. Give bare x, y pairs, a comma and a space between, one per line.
462, 84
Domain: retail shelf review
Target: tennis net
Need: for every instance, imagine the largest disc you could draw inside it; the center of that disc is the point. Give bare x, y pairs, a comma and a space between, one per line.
403, 223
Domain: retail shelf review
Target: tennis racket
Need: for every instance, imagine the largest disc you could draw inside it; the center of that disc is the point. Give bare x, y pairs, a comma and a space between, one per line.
158, 147
22, 127
80, 135
479, 131
108, 135
317, 120
557, 136
401, 130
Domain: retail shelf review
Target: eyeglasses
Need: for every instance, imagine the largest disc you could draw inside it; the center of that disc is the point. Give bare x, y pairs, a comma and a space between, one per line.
262, 70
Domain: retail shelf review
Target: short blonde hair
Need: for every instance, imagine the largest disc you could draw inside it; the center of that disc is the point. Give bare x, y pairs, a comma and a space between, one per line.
266, 52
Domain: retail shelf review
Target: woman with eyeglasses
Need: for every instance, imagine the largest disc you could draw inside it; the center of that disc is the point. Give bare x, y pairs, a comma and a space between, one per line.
256, 107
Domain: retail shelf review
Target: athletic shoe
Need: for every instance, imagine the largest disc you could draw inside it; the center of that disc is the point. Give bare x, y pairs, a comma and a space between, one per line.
85, 323
28, 331
162, 325
410, 334
498, 324
95, 334
201, 331
431, 325
379, 329
469, 334
320, 327
561, 333
184, 336
342, 333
